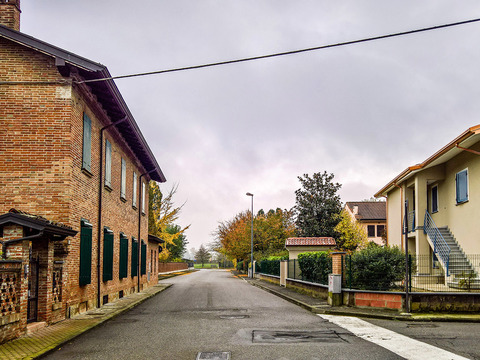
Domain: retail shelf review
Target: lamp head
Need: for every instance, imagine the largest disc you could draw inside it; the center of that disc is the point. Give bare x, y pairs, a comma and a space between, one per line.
249, 194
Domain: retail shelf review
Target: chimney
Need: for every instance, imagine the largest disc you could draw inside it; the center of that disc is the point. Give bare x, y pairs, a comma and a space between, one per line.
10, 14
355, 210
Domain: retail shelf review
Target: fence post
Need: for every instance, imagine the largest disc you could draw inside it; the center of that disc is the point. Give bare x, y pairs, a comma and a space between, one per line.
335, 297
283, 272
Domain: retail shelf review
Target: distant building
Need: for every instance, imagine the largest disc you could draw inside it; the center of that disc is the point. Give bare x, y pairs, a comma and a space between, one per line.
75, 171
372, 215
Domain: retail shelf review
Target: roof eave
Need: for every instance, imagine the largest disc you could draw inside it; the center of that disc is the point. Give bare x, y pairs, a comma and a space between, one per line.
404, 175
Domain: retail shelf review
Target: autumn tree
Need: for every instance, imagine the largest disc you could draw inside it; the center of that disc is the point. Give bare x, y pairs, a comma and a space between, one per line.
270, 230
317, 205
351, 235
202, 255
162, 214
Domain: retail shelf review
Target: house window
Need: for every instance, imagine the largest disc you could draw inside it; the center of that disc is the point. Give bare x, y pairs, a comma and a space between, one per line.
107, 254
134, 193
461, 182
143, 260
434, 199
123, 258
371, 230
87, 143
380, 230
143, 197
123, 184
85, 274
134, 269
108, 164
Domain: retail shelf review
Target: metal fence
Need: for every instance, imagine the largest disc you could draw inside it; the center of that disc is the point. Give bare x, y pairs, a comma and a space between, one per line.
426, 274
295, 272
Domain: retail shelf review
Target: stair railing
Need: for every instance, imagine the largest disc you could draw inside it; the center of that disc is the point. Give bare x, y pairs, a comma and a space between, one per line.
440, 246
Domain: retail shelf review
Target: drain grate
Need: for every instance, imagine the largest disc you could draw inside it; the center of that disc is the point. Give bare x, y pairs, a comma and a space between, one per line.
421, 325
265, 336
215, 355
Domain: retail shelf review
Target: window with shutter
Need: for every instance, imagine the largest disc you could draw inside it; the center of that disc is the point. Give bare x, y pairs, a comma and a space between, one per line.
108, 164
134, 192
107, 254
434, 199
462, 186
143, 264
134, 269
371, 230
85, 272
123, 184
123, 260
87, 143
143, 197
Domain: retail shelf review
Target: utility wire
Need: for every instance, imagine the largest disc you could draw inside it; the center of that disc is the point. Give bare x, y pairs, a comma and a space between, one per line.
286, 53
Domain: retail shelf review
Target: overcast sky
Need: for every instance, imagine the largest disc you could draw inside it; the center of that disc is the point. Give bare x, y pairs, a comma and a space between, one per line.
363, 112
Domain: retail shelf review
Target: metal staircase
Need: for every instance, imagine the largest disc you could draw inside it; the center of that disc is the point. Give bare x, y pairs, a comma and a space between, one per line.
460, 267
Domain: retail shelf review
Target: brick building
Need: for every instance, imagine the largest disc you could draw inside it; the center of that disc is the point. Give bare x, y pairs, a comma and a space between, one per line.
73, 186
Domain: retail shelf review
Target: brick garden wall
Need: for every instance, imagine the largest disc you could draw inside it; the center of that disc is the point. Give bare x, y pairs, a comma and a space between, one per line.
172, 266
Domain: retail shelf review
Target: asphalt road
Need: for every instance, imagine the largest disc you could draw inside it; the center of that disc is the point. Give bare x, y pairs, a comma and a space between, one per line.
212, 313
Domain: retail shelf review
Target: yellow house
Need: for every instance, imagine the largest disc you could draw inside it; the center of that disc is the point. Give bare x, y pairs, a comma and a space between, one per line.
371, 215
443, 195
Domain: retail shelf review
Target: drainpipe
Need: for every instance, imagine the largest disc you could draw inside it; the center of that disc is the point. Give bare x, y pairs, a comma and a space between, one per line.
140, 198
100, 198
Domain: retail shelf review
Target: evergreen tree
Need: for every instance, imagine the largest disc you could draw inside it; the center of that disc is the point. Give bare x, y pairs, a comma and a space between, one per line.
317, 205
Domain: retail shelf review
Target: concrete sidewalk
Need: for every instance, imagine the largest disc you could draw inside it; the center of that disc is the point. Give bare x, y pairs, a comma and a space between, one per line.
320, 306
51, 337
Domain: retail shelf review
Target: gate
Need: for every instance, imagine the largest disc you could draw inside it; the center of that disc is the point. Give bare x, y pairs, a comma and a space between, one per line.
32, 306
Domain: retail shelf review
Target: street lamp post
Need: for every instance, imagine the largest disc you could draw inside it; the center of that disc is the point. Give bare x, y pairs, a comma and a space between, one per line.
251, 239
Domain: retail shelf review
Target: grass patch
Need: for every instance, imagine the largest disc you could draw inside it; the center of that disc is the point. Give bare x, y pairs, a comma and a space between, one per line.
205, 266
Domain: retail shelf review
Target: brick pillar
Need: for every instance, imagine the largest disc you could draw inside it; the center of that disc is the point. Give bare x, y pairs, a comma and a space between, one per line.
335, 297
44, 249
337, 261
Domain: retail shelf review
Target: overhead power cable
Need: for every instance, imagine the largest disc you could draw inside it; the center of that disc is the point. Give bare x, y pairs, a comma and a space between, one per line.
286, 52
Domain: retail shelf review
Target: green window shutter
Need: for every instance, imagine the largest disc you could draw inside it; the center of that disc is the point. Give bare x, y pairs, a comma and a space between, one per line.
143, 260
87, 142
108, 163
107, 254
85, 274
123, 263
134, 257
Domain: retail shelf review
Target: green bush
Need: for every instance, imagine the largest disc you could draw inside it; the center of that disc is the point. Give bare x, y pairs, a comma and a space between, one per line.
315, 266
376, 268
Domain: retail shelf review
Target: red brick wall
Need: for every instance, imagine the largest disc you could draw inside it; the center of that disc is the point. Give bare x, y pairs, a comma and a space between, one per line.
166, 267
41, 136
378, 300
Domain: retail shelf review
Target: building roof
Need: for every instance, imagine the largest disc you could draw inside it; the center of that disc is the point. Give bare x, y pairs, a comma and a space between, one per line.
156, 239
36, 222
368, 210
453, 148
310, 241
106, 92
